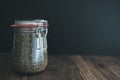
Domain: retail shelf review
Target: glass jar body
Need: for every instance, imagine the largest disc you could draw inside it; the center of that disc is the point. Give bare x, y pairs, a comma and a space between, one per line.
29, 51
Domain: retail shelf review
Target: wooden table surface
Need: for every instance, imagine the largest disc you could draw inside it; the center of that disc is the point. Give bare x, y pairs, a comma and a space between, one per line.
67, 67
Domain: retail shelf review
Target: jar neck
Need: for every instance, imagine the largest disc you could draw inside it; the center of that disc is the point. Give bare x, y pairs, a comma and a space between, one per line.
25, 29
37, 30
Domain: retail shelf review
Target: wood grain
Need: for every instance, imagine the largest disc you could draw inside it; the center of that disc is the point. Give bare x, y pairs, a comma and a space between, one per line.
67, 67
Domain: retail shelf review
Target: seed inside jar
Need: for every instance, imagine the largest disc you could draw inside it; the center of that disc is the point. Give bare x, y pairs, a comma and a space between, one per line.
26, 58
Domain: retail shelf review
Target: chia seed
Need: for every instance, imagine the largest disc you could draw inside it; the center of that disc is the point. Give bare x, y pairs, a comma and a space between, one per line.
25, 56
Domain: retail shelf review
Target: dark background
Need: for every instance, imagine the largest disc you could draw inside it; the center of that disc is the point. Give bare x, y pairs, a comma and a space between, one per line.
76, 26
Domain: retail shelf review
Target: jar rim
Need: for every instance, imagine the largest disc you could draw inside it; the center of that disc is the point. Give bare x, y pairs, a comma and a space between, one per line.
30, 23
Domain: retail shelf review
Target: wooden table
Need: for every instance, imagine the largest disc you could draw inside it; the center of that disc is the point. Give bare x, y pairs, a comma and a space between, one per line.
67, 67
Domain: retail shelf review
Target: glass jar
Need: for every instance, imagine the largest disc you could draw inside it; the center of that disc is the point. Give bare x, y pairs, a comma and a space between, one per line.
30, 45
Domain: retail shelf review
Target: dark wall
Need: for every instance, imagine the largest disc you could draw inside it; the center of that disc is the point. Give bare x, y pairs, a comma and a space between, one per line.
76, 26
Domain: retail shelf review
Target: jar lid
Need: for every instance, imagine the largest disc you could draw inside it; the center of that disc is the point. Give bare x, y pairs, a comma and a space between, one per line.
30, 23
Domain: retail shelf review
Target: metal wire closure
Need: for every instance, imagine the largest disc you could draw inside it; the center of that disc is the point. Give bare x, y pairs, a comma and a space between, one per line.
40, 32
